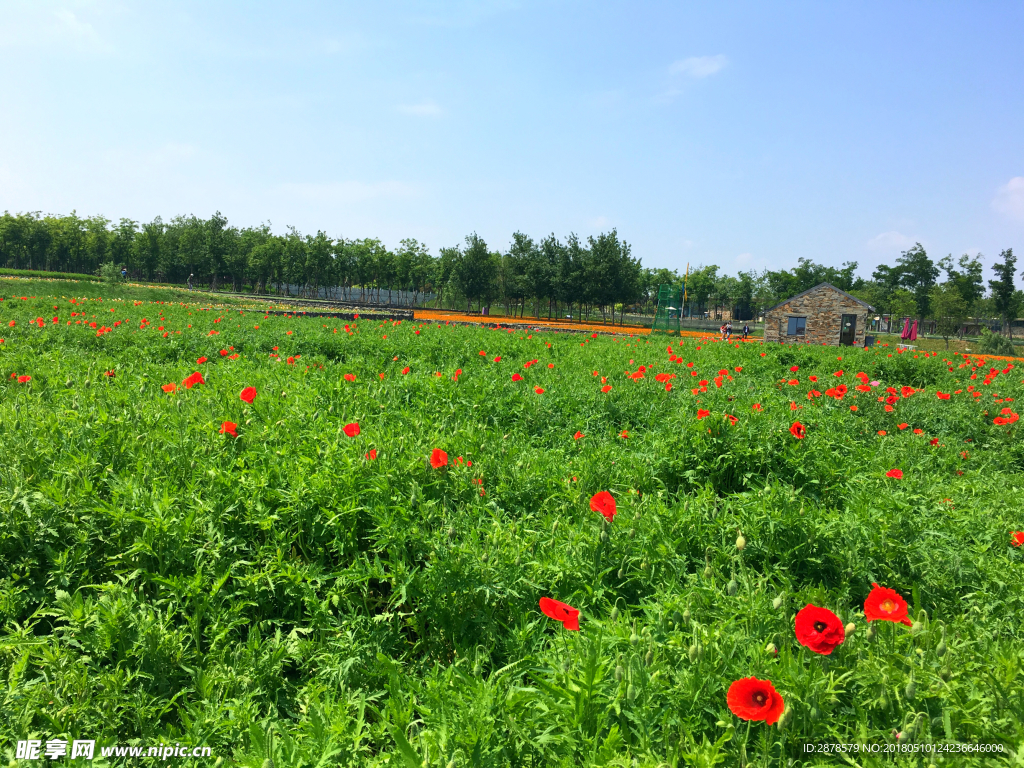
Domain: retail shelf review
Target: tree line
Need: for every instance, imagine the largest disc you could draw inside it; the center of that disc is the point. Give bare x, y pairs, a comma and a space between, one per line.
548, 276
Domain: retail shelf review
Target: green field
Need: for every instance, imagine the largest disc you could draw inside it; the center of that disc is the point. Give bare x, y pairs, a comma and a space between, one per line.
281, 595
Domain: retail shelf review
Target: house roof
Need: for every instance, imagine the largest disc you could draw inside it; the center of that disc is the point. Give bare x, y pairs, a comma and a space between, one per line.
821, 285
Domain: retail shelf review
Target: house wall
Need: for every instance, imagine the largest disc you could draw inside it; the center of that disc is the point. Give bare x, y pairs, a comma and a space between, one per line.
823, 308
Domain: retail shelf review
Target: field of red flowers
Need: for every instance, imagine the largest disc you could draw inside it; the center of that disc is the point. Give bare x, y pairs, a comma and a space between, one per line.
315, 542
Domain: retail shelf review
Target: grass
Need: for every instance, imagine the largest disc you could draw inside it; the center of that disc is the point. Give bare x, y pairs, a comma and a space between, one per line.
281, 596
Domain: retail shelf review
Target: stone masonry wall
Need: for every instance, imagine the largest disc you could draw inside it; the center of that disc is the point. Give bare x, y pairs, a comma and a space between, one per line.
823, 307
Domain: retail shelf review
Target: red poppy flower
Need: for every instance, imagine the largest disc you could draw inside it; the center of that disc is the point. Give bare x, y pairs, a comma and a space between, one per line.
701, 413
794, 368
405, 370
110, 374
200, 361
884, 604
169, 387
819, 629
902, 426
882, 432
752, 699
538, 390
578, 435
438, 458
352, 430
350, 377
624, 434
482, 353
731, 418
248, 394
559, 611
606, 388
516, 377
756, 407
372, 455
551, 365
195, 378
813, 378
24, 379
603, 502
933, 441
1017, 538
229, 428
942, 395
797, 430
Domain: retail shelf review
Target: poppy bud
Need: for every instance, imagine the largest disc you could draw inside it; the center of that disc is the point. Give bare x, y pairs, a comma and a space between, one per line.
693, 652
686, 617
945, 673
604, 537
619, 673
621, 573
451, 532
631, 692
815, 714
615, 614
68, 384
787, 715
871, 632
777, 602
483, 558
554, 526
771, 649
940, 649
644, 566
634, 639
707, 571
519, 561
911, 690
649, 658
916, 627
850, 628
632, 532
732, 586
741, 542
268, 763
218, 763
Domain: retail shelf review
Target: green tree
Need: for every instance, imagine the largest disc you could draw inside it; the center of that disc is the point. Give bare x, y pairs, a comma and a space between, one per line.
967, 279
1004, 295
948, 308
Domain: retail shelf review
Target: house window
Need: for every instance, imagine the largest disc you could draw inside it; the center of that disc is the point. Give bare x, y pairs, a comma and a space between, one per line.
797, 326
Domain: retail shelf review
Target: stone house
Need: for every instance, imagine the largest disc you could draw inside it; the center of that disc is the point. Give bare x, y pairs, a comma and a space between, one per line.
820, 315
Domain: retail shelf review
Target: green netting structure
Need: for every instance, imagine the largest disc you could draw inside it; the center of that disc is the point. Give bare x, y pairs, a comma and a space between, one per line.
670, 309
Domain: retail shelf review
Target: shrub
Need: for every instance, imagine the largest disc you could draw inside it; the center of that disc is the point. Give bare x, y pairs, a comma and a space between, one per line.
994, 344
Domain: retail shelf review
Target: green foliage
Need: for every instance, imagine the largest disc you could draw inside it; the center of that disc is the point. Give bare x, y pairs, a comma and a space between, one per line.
995, 344
109, 273
282, 597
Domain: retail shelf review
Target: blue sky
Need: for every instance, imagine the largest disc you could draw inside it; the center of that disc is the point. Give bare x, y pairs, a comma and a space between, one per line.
728, 133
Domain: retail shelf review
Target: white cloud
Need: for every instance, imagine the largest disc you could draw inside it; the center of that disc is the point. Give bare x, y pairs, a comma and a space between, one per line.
33, 25
889, 241
1009, 198
698, 66
423, 109
342, 192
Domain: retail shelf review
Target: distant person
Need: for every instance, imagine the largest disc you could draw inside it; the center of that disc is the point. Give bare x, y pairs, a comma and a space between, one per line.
190, 282
124, 274
746, 330
721, 331
728, 331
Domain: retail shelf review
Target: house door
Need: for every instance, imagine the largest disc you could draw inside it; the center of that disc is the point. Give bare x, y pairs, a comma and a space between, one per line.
848, 330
